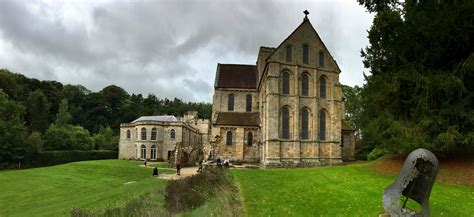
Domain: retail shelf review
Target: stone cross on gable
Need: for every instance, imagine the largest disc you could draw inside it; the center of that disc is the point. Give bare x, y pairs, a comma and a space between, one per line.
306, 12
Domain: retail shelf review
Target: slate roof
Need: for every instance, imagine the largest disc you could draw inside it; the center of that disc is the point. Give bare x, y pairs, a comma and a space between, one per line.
236, 76
238, 118
162, 118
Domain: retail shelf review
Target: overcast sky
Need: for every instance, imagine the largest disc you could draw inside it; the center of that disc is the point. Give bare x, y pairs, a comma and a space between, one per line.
168, 48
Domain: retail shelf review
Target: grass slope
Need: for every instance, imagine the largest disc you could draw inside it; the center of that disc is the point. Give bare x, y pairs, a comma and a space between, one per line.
54, 191
334, 191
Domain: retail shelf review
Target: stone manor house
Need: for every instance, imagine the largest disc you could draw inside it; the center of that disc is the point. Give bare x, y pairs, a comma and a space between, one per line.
286, 110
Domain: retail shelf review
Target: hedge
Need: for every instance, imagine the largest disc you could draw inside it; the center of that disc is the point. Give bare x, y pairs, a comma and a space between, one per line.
51, 158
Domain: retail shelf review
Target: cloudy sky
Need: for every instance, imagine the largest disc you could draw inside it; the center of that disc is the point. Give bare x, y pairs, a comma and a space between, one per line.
169, 48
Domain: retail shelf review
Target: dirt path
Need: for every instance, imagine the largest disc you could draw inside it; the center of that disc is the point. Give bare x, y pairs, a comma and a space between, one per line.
185, 172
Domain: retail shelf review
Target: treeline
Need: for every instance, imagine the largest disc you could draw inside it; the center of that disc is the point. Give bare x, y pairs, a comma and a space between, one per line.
39, 116
420, 92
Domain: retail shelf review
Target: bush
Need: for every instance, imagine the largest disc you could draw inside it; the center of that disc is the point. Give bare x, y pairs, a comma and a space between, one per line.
376, 153
192, 192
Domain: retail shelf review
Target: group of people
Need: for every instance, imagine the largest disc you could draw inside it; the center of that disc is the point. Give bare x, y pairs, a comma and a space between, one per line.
226, 162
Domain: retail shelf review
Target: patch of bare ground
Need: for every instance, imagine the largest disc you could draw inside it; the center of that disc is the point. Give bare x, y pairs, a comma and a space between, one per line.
453, 171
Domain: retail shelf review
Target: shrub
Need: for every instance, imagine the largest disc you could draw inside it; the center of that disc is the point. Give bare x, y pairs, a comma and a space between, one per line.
376, 153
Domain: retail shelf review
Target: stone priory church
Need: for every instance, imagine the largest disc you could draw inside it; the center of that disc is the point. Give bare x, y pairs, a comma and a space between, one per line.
287, 110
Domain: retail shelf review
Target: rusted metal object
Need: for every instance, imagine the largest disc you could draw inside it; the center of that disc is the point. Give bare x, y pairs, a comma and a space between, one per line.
415, 181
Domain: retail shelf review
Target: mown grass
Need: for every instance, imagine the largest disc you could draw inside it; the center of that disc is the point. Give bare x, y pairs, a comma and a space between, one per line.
92, 185
334, 191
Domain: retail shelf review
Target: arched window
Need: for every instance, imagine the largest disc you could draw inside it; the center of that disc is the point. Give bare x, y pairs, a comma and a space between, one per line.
249, 103
228, 140
128, 134
305, 54
172, 134
153, 152
289, 53
304, 84
153, 134
304, 124
143, 152
249, 139
321, 59
230, 102
322, 87
322, 125
143, 137
285, 123
286, 83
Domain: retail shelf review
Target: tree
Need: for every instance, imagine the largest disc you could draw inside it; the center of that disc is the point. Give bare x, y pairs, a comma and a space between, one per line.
353, 106
35, 143
37, 111
12, 130
63, 117
105, 139
420, 92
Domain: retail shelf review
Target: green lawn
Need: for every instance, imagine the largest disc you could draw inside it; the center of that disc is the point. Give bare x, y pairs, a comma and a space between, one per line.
334, 191
94, 185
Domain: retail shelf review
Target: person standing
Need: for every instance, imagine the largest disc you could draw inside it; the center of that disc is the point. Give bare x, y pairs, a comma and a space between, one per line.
200, 166
155, 171
178, 168
145, 163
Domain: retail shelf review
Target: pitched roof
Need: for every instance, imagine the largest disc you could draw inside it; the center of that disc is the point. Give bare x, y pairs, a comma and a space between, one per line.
346, 126
236, 76
162, 118
238, 118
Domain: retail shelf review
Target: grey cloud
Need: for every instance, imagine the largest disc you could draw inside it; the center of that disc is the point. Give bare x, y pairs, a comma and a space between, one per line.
169, 48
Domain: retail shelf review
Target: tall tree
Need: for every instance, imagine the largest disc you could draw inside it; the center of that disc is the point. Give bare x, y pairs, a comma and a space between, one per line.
63, 117
12, 130
37, 111
420, 92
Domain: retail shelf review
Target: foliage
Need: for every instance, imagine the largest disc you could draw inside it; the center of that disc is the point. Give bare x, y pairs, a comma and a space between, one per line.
351, 190
37, 107
95, 185
421, 89
12, 130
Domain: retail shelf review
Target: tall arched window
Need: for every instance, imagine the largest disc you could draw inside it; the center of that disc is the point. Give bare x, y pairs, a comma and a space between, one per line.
285, 123
305, 54
172, 134
322, 87
249, 139
153, 152
286, 83
289, 53
153, 134
321, 59
304, 84
248, 101
228, 140
143, 152
322, 125
304, 124
230, 102
143, 135
128, 134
